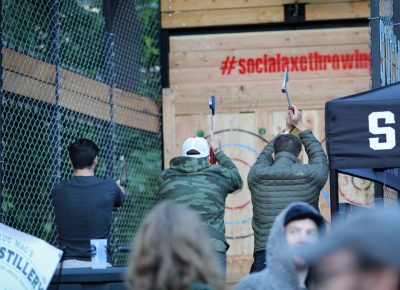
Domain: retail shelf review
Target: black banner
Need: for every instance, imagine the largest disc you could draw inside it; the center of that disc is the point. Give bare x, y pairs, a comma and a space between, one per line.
363, 130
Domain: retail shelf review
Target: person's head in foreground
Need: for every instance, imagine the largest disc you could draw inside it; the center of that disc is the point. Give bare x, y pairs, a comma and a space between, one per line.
83, 154
303, 227
172, 251
297, 225
360, 255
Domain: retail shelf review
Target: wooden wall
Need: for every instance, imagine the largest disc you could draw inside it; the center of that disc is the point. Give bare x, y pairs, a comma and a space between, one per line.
251, 108
202, 13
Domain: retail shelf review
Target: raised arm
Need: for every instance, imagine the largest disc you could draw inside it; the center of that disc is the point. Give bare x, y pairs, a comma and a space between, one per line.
318, 162
312, 146
230, 169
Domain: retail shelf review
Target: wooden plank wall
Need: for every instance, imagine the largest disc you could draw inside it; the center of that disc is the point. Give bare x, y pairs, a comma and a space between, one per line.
29, 77
202, 13
251, 108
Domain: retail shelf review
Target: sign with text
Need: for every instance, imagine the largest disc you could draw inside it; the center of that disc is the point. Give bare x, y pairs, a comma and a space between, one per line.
26, 262
313, 61
362, 131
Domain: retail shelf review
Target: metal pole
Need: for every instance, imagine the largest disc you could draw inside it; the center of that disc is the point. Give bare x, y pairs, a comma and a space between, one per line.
1, 112
164, 62
396, 19
396, 29
334, 194
375, 72
379, 195
111, 79
109, 12
375, 42
56, 115
164, 58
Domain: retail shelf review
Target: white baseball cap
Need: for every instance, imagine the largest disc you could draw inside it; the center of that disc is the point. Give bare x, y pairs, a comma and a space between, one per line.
198, 144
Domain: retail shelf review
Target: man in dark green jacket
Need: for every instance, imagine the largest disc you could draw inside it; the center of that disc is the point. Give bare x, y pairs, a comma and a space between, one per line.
278, 179
193, 181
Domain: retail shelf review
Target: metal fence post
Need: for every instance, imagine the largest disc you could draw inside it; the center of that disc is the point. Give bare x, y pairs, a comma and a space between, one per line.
56, 116
1, 111
376, 72
396, 19
379, 195
375, 41
55, 109
109, 12
110, 68
396, 29
334, 193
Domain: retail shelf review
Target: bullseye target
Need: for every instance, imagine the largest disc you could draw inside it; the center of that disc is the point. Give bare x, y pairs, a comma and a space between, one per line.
244, 151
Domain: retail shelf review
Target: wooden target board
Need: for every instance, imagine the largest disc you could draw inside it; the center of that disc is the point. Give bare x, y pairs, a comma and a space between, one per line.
250, 108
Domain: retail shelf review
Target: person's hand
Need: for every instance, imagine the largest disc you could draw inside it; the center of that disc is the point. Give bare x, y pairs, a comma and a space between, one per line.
215, 143
295, 119
289, 126
120, 186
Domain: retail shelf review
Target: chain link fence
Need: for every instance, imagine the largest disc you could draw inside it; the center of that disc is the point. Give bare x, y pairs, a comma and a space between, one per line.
70, 69
385, 16
389, 43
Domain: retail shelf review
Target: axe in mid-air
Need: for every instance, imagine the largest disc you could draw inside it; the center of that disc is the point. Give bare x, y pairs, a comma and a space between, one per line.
284, 89
211, 103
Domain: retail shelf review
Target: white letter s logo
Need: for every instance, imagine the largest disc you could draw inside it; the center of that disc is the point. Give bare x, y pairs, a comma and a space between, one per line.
376, 130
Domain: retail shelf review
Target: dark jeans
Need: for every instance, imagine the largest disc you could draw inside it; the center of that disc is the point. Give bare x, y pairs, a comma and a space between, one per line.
259, 263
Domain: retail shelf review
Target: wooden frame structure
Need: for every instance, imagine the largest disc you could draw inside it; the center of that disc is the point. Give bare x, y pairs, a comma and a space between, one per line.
198, 35
38, 79
204, 13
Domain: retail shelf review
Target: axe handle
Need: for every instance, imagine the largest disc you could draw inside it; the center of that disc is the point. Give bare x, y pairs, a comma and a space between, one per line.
290, 107
212, 156
213, 161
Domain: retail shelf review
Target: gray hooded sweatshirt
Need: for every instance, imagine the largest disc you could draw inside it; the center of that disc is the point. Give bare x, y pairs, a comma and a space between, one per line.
281, 273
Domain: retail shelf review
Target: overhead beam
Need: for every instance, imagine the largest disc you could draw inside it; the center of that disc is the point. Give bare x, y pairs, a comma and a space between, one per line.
32, 78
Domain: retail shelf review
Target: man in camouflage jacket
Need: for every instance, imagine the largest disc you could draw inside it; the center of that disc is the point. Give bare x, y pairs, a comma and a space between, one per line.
193, 181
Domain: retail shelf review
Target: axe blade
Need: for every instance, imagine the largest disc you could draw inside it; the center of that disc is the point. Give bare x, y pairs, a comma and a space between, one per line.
284, 88
285, 81
211, 103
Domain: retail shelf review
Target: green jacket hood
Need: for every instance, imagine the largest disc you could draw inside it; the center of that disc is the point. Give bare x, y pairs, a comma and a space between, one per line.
281, 273
189, 164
